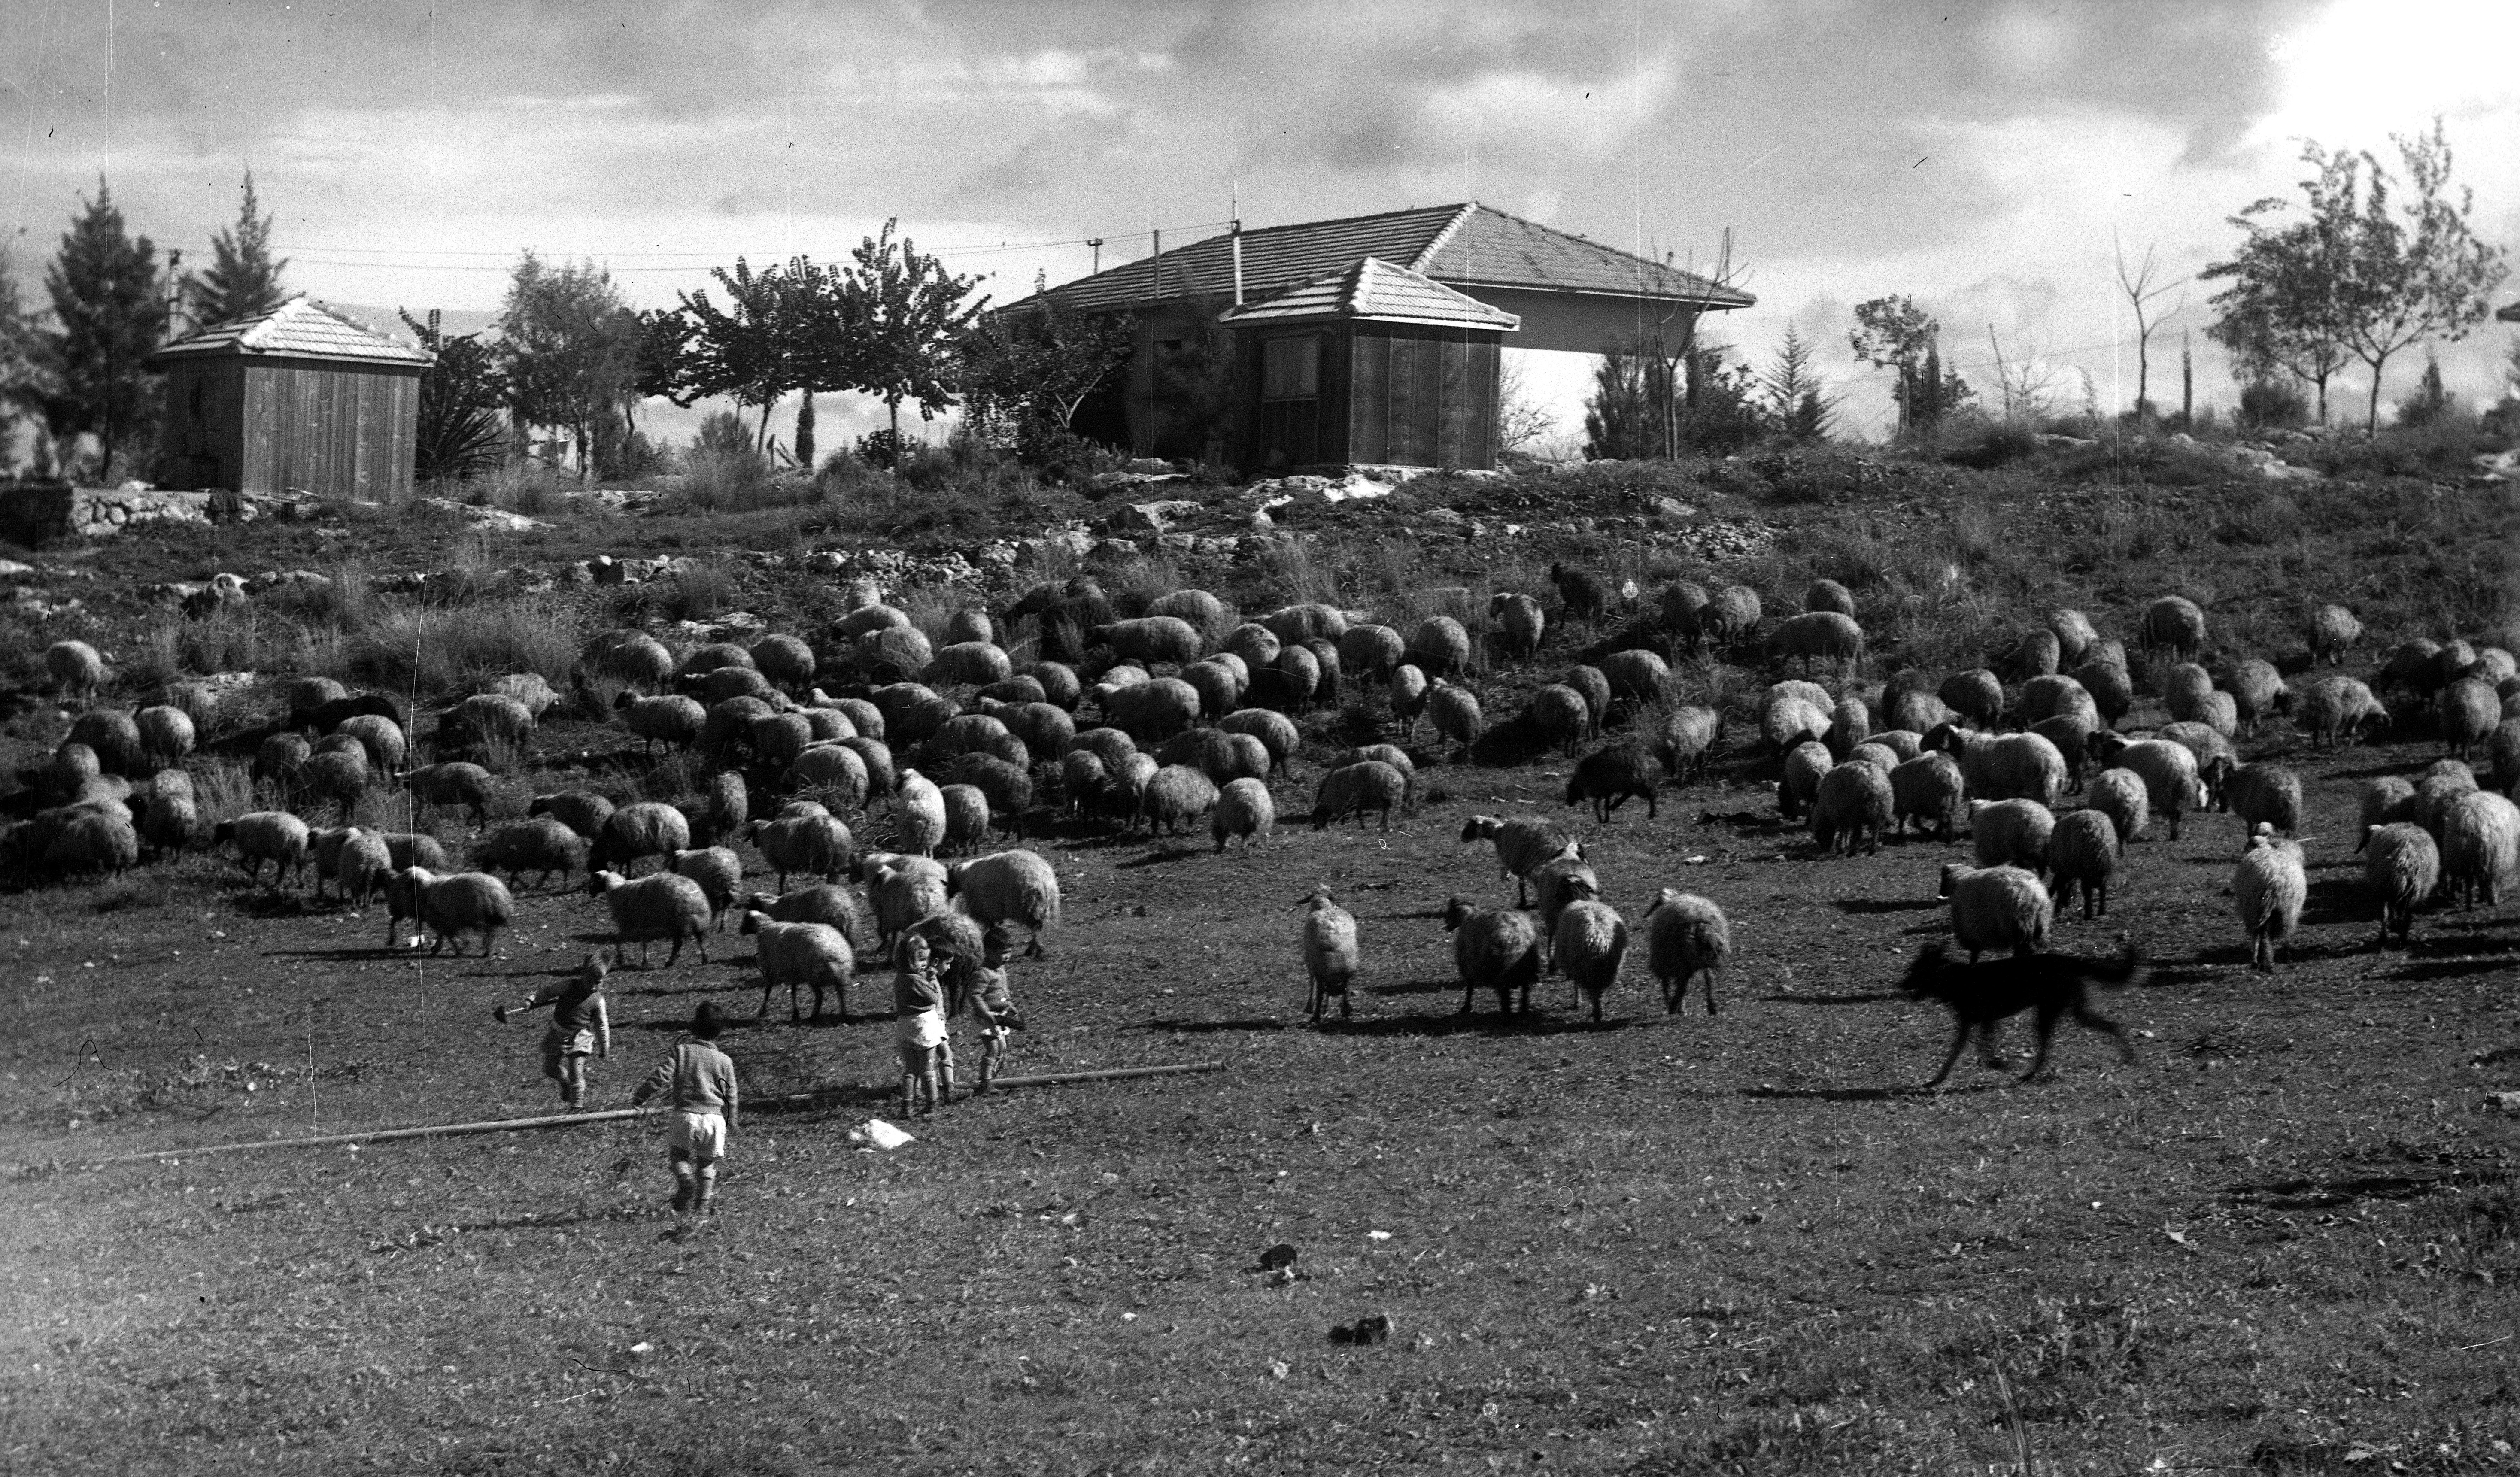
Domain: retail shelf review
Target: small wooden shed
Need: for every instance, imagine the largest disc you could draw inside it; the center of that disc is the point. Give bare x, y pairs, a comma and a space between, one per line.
1376, 364
298, 399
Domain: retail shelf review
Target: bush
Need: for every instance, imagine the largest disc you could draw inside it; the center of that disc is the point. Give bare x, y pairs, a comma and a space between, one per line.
1975, 442
2274, 404
428, 650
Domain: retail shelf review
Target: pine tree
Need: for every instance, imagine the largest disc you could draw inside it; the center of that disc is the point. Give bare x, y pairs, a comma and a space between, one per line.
805, 434
112, 309
242, 280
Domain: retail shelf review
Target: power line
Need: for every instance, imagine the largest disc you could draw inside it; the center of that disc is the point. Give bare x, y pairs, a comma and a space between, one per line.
496, 261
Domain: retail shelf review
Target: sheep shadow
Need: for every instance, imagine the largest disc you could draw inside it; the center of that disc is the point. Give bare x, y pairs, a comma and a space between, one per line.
1161, 858
2427, 970
2336, 900
355, 952
1866, 906
1848, 1095
1477, 1023
2304, 1194
1858, 997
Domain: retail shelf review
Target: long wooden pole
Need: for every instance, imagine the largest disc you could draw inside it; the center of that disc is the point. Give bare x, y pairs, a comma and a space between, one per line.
608, 1115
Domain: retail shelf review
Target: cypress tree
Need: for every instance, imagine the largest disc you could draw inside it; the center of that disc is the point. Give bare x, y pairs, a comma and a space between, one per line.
242, 280
107, 298
805, 434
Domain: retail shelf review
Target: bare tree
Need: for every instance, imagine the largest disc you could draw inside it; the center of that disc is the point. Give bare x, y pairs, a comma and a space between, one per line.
1520, 418
2024, 379
2141, 293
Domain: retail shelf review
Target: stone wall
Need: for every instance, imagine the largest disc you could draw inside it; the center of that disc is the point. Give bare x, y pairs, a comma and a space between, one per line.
40, 513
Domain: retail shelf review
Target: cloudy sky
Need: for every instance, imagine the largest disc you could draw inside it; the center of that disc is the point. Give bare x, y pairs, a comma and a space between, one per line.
1986, 157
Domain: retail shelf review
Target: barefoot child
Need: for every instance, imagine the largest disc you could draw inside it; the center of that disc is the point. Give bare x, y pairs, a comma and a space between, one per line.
919, 1027
581, 1026
706, 1103
985, 988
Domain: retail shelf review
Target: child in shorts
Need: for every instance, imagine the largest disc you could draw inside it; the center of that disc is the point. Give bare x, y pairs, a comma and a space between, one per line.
581, 1026
992, 1005
919, 1027
706, 1103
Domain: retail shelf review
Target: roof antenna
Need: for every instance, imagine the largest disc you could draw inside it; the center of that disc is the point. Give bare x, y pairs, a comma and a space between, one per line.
1236, 235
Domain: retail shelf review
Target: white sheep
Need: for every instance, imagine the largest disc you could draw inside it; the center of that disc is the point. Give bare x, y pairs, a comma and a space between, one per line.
918, 813
2057, 696
966, 817
455, 783
1440, 647
1557, 882
77, 668
801, 956
718, 871
1455, 714
1174, 798
581, 811
166, 734
1687, 739
2339, 708
2403, 867
2334, 630
2269, 887
1522, 843
1997, 907
2387, 800
465, 902
1928, 789
267, 835
641, 828
2480, 846
2182, 690
1151, 638
538, 844
2083, 851
1852, 806
663, 905
1356, 789
671, 720
817, 844
1589, 946
99, 839
2009, 766
1521, 623
1331, 953
2468, 711
2268, 793
1008, 887
904, 891
1634, 675
2012, 832
1799, 786
2167, 771
1244, 808
2120, 796
2173, 622
2257, 691
2074, 635
1556, 713
1686, 934
1496, 949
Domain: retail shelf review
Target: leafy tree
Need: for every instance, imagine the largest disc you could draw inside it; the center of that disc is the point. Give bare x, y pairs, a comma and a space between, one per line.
1625, 415
242, 280
22, 369
461, 432
111, 309
2432, 400
744, 351
1790, 392
568, 349
1719, 411
1895, 334
908, 314
1025, 371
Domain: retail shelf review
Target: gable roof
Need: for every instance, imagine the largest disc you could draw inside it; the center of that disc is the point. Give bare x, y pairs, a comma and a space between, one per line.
1372, 288
299, 328
1461, 246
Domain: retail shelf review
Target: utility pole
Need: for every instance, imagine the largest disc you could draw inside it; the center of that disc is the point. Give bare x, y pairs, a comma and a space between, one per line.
174, 287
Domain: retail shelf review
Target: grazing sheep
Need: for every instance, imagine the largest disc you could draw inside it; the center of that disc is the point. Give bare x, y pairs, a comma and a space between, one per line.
663, 905
801, 956
1331, 953
1356, 789
2257, 691
1277, 733
903, 893
1558, 713
2435, 793
711, 656
1019, 687
466, 901
2404, 868
1299, 673
1410, 690
776, 739
114, 737
1850, 724
911, 712
834, 774
339, 776
1368, 651
1976, 694
2071, 733
581, 811
2038, 655
172, 820
784, 660
2112, 690
484, 719
1151, 640
1124, 792
1817, 636
1520, 621
1081, 778
969, 663
2083, 851
1043, 728
718, 871
1219, 688
2220, 712
361, 862
2167, 771
918, 814
1017, 887
2333, 631
1608, 776
1195, 607
2120, 796
1522, 844
1584, 594
632, 659
895, 654
1245, 809
1997, 907
2056, 696
2012, 832
863, 715
1589, 945
1559, 881
76, 669
865, 619
1253, 644
537, 844
166, 734
2182, 690
672, 720
2267, 794
1828, 595
1686, 935
1731, 615
1007, 785
2502, 754
1634, 675
876, 756
1455, 714
2386, 801
383, 738
717, 687
1687, 739
452, 785
1799, 786
2269, 886
2468, 711
2339, 708
278, 760
1496, 949
99, 840
1176, 798
1440, 647
2007, 766
828, 902
1154, 709
2075, 637
967, 818
2455, 660
1928, 788
2176, 623
817, 846
2215, 756
1787, 722
1310, 621
642, 829
1679, 609
1852, 806
2480, 844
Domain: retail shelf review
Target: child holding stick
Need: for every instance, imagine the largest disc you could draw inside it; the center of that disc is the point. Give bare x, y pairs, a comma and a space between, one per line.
581, 1026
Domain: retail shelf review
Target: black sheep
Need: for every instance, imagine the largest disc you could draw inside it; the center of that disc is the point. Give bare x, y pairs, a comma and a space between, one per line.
1585, 593
1607, 777
324, 717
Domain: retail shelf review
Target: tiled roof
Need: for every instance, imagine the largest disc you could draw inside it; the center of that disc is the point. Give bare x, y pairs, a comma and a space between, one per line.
1466, 246
1376, 290
300, 329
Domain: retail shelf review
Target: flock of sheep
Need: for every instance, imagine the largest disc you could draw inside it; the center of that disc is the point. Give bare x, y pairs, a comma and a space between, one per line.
953, 739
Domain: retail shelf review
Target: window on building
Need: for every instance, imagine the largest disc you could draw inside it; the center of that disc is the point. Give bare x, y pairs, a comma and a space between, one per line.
1292, 367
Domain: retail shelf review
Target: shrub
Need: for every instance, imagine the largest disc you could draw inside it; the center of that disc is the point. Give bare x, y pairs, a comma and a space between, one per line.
1974, 442
428, 651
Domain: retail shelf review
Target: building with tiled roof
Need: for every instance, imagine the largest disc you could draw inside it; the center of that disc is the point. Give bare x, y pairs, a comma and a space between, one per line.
1481, 272
300, 399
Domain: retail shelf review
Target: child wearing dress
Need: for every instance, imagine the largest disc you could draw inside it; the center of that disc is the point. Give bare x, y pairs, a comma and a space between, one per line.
919, 1028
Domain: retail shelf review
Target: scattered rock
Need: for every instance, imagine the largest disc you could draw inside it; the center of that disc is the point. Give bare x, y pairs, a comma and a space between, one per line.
11, 570
1150, 518
2502, 1102
480, 517
1282, 1254
2500, 466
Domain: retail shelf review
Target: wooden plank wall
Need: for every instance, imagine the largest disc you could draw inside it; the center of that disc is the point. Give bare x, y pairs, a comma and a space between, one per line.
1424, 396
334, 430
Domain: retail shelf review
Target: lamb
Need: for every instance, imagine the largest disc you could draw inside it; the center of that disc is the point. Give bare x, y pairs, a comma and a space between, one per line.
1456, 711
1558, 713
538, 844
1151, 638
1154, 709
1521, 623
1331, 954
1245, 809
1976, 694
2168, 772
643, 829
1686, 740
581, 811
2333, 631
2270, 887
718, 871
1496, 949
1609, 775
2267, 794
2120, 796
801, 956
2386, 801
1368, 651
451, 906
663, 905
98, 841
1355, 788
2011, 767
1009, 888
1731, 614
2176, 623
2339, 708
1277, 733
1175, 798
672, 720
967, 818
453, 783
2084, 850
1927, 789
818, 845
2404, 868
2012, 832
1799, 786
1634, 675
1440, 647
2074, 635
2480, 844
1589, 946
1817, 636
77, 668
266, 835
1997, 907
2468, 711
918, 814
1686, 935
1522, 844
903, 893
